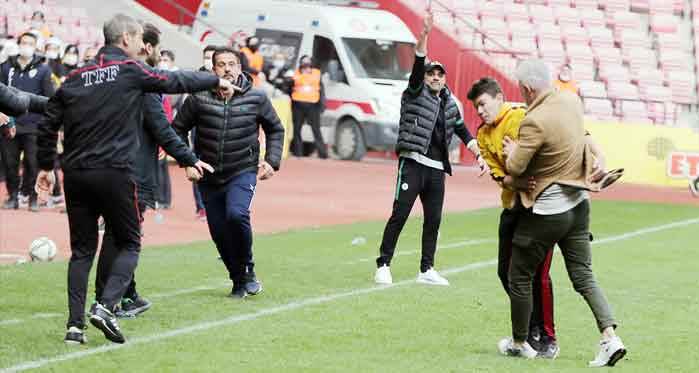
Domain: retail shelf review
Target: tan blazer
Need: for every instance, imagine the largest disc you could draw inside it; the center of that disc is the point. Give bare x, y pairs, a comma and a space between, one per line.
552, 146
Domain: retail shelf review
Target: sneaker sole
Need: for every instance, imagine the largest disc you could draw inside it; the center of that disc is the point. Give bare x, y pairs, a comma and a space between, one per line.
616, 356
255, 293
101, 324
74, 343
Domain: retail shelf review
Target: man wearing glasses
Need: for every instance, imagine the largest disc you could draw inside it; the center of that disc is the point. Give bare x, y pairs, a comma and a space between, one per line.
227, 138
429, 118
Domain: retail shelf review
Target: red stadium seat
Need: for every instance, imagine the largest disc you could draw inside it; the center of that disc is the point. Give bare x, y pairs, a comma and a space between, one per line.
624, 20
599, 108
583, 71
541, 14
634, 112
601, 37
620, 90
515, 12
575, 35
616, 5
592, 89
491, 10
608, 55
567, 16
548, 31
580, 54
666, 23
586, 4
647, 77
614, 73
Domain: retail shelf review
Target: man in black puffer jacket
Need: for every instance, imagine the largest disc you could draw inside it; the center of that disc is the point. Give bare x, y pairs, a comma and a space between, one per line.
429, 118
227, 139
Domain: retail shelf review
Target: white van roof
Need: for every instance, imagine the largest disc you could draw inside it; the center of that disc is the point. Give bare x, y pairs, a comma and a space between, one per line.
290, 15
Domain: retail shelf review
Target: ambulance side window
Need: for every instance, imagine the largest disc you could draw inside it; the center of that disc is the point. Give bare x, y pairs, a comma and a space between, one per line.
325, 57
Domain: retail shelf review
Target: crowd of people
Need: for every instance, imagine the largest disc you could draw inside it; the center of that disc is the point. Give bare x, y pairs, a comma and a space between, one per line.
540, 156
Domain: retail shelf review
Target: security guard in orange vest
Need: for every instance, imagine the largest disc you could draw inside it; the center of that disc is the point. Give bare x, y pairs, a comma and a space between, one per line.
307, 103
255, 59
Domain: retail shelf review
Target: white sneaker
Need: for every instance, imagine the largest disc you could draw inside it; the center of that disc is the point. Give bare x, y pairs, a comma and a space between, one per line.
383, 275
506, 347
610, 352
431, 277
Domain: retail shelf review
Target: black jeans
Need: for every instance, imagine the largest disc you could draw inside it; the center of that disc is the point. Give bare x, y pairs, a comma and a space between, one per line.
302, 112
542, 318
108, 253
415, 180
110, 193
164, 194
11, 151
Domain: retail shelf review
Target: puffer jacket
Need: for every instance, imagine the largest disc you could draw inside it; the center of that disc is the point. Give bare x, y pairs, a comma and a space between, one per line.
419, 115
227, 130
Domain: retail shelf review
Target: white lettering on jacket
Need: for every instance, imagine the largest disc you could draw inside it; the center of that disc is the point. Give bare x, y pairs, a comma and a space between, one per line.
101, 75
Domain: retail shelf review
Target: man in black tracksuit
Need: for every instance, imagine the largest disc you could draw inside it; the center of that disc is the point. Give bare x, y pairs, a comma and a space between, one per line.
100, 108
14, 102
429, 118
227, 138
156, 131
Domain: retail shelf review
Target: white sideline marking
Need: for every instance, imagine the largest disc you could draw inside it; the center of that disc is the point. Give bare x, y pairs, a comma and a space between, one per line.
439, 247
296, 305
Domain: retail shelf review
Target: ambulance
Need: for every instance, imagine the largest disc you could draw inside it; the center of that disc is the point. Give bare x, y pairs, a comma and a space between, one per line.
365, 55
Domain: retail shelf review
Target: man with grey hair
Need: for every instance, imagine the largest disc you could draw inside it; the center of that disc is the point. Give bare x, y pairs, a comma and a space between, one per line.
100, 108
554, 150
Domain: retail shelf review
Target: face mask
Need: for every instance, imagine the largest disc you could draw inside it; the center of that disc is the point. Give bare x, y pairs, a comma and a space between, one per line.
208, 65
254, 47
52, 55
70, 59
278, 63
36, 24
163, 66
26, 51
564, 77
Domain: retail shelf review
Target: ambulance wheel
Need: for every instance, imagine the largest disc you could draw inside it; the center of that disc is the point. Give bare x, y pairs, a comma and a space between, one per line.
349, 142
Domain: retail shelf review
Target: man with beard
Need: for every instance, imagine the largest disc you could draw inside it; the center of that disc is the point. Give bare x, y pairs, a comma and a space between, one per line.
227, 138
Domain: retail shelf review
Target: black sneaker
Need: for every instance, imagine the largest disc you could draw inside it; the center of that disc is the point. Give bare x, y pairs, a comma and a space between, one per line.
548, 350
93, 309
133, 307
104, 320
239, 292
694, 187
75, 336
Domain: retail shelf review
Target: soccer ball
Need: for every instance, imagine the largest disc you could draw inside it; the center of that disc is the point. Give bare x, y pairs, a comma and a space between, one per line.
42, 250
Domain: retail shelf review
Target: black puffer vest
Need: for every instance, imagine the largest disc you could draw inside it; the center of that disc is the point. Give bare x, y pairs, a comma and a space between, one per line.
418, 115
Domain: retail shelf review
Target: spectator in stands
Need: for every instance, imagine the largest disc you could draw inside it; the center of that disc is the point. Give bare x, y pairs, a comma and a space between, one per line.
71, 58
38, 23
207, 65
565, 81
9, 49
255, 59
27, 73
279, 74
90, 53
307, 103
229, 191
52, 52
552, 148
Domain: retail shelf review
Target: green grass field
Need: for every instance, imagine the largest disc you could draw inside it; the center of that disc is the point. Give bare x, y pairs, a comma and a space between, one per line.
320, 311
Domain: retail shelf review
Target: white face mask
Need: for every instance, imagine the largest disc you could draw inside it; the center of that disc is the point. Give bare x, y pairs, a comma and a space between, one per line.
52, 55
163, 66
208, 65
70, 59
26, 51
36, 24
279, 63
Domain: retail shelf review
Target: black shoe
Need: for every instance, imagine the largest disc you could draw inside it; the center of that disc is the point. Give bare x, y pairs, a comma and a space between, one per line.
694, 187
239, 293
93, 309
253, 287
75, 336
133, 307
11, 204
33, 205
104, 320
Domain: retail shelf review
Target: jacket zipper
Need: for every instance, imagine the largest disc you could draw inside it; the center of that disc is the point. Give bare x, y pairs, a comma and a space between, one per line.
223, 135
434, 123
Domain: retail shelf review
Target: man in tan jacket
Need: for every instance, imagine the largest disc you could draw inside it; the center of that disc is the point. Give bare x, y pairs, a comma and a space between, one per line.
554, 149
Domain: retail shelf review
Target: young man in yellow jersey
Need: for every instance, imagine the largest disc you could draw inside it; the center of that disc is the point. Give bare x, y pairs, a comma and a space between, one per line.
500, 120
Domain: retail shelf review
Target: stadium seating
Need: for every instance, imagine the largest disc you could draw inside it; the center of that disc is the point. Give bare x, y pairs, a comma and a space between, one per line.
70, 24
632, 58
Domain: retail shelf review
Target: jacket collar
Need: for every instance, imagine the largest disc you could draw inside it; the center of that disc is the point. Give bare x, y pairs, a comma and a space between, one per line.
539, 100
112, 51
36, 61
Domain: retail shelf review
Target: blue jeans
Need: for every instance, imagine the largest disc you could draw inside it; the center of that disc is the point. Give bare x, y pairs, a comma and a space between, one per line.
228, 217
